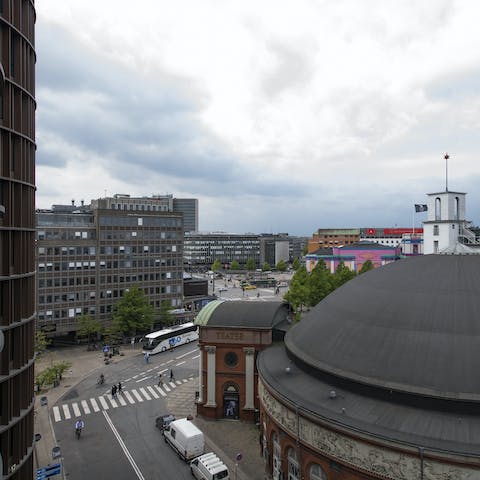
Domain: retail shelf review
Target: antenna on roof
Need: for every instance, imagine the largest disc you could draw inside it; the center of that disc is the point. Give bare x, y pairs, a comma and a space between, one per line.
446, 157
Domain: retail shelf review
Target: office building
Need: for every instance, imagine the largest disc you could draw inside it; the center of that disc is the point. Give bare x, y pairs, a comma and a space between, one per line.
189, 208
87, 256
17, 237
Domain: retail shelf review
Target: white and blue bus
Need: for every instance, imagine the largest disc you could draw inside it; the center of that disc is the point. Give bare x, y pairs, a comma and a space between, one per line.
169, 338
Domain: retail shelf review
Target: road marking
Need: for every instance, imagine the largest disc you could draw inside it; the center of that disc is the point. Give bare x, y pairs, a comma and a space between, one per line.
128, 379
135, 376
172, 384
197, 356
121, 400
124, 447
170, 361
137, 395
166, 387
142, 379
56, 414
113, 402
162, 393
185, 354
85, 406
185, 380
145, 394
104, 403
95, 406
76, 410
66, 412
164, 370
129, 397
153, 392
180, 363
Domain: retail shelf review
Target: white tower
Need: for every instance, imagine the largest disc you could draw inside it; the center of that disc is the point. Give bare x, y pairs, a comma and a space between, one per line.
446, 222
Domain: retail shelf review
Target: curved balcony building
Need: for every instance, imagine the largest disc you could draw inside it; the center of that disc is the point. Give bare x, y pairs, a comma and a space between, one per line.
17, 236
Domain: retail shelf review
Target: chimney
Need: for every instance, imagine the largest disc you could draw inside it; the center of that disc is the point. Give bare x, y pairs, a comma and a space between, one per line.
73, 202
82, 202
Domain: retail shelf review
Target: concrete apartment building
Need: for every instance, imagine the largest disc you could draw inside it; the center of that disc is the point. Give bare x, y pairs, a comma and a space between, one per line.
17, 237
88, 255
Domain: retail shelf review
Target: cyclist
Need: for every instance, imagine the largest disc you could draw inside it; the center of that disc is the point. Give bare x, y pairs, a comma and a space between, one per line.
79, 424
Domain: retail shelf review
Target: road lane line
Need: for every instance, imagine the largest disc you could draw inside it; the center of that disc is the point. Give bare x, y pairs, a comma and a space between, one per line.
135, 376
129, 397
153, 392
172, 384
170, 361
66, 412
143, 379
113, 402
121, 400
185, 380
137, 395
124, 447
85, 406
162, 393
104, 403
185, 354
165, 386
180, 363
128, 379
95, 406
56, 414
197, 356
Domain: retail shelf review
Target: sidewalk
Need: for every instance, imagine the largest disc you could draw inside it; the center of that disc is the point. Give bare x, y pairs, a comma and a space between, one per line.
226, 437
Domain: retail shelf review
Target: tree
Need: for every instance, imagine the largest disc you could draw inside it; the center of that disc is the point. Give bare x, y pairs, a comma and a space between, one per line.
235, 265
342, 275
165, 315
319, 283
41, 342
112, 335
88, 327
216, 265
297, 294
250, 265
133, 313
304, 250
266, 267
281, 265
368, 265
296, 263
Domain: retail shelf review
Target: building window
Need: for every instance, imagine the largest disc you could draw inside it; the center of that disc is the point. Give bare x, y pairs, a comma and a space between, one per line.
231, 359
435, 229
435, 246
293, 465
438, 209
317, 473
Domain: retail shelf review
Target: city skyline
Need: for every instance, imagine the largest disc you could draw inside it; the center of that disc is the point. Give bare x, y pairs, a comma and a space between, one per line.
276, 117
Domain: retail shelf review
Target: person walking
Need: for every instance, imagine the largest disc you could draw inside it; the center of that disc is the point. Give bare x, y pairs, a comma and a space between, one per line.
114, 391
119, 388
172, 378
160, 380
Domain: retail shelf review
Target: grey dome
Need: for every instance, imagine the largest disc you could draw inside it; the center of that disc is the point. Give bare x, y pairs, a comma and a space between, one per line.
410, 326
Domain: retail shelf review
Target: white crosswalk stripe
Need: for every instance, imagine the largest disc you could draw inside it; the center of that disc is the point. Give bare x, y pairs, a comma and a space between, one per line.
137, 395
129, 397
94, 405
85, 406
66, 412
56, 414
145, 394
152, 392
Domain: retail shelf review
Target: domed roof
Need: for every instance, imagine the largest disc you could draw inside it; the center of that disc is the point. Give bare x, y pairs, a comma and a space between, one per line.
410, 326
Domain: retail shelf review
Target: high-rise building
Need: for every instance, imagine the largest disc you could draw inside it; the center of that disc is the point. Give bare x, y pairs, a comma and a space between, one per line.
189, 208
87, 256
17, 237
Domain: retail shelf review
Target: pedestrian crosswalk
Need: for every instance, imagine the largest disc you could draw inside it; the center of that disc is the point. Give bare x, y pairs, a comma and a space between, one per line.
68, 411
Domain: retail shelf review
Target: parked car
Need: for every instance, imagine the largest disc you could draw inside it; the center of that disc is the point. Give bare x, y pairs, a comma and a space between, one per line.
163, 422
185, 438
222, 289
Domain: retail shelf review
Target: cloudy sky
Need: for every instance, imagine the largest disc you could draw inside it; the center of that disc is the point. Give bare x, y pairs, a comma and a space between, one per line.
279, 116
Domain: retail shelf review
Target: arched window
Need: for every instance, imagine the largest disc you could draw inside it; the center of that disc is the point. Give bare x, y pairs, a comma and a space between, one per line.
317, 473
457, 209
293, 465
438, 209
276, 457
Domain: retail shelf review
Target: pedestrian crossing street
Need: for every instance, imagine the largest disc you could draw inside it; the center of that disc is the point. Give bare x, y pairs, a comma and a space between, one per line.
105, 401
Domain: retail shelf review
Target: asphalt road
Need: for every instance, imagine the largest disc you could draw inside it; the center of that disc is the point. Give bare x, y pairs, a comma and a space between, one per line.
120, 438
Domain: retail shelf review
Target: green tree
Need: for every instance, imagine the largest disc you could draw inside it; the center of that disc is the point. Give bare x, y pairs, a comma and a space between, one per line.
216, 265
41, 342
319, 283
165, 315
266, 267
250, 265
112, 335
133, 313
297, 294
304, 250
235, 265
342, 275
281, 265
296, 263
88, 327
368, 265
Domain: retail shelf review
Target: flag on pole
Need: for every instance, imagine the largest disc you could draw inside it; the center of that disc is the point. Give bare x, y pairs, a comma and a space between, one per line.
420, 208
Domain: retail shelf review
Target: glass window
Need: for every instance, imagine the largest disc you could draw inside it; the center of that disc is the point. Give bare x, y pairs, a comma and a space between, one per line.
317, 473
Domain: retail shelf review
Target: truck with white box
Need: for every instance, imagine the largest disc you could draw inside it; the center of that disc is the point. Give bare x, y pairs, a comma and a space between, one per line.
185, 438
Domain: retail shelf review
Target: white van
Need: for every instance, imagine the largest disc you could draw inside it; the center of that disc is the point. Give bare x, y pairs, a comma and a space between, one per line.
185, 438
209, 467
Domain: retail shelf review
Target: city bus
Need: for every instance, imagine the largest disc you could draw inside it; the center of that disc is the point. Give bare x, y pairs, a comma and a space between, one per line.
170, 337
